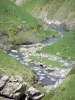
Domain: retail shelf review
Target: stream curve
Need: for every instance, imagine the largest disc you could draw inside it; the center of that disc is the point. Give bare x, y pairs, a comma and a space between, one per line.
49, 76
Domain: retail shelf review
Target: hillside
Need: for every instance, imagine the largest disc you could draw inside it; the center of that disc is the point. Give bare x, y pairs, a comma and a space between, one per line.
65, 91
13, 19
20, 25
48, 65
64, 47
12, 67
56, 10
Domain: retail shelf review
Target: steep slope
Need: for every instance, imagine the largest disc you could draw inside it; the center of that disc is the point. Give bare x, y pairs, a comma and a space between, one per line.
64, 47
61, 10
13, 19
13, 67
65, 91
20, 25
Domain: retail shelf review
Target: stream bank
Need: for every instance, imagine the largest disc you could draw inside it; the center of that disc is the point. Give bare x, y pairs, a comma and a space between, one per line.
50, 76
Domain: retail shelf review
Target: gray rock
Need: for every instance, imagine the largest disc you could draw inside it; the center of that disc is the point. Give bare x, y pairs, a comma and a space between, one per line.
3, 81
2, 84
13, 88
34, 94
5, 78
3, 98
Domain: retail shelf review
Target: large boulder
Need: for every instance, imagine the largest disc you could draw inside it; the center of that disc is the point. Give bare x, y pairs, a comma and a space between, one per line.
13, 87
34, 94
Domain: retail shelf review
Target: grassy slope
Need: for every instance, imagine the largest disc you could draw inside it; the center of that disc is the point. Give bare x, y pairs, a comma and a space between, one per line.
56, 5
33, 6
45, 31
13, 18
64, 47
11, 66
55, 9
65, 91
47, 61
12, 11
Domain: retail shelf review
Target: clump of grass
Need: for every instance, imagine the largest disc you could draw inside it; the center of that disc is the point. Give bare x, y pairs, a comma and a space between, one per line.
72, 71
47, 61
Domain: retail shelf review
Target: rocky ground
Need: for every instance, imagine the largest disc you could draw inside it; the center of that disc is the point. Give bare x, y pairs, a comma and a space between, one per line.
14, 88
50, 76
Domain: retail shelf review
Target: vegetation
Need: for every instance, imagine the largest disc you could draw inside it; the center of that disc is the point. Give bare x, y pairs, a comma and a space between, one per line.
64, 47
22, 27
54, 9
19, 24
47, 61
72, 71
13, 18
13, 67
65, 91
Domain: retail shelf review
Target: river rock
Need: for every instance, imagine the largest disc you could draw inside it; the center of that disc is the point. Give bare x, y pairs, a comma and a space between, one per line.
14, 51
12, 87
23, 49
34, 94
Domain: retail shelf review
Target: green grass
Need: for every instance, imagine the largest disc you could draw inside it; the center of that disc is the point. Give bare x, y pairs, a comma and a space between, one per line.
64, 47
47, 61
14, 18
45, 31
56, 10
65, 91
12, 11
13, 67
29, 5
72, 71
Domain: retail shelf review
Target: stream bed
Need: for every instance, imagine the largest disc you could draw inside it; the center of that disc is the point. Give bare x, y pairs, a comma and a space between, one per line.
49, 76
46, 74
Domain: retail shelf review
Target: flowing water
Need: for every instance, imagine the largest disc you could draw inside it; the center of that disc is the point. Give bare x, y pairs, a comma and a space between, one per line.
50, 41
47, 75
